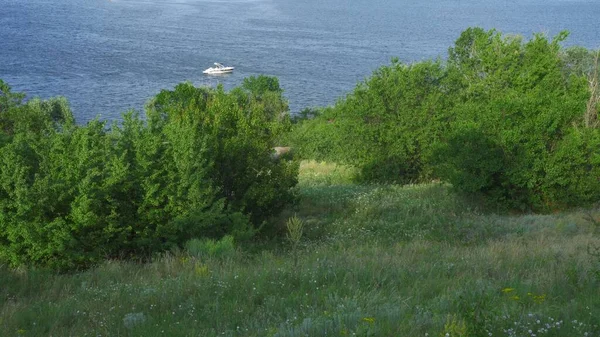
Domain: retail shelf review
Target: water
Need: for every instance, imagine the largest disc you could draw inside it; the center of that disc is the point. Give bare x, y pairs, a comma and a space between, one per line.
110, 56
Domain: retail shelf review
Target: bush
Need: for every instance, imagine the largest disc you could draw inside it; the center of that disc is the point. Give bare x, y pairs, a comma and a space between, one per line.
198, 166
385, 127
234, 134
513, 120
526, 144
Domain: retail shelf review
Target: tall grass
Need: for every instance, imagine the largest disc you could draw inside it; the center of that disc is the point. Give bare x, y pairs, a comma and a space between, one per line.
373, 261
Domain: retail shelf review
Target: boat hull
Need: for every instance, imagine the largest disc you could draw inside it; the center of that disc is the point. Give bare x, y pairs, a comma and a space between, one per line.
213, 71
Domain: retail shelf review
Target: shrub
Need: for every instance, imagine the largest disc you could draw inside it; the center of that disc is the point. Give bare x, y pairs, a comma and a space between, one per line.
525, 144
513, 120
234, 135
198, 166
385, 127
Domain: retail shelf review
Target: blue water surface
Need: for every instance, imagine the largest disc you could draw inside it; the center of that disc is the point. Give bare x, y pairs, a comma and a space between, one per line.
110, 56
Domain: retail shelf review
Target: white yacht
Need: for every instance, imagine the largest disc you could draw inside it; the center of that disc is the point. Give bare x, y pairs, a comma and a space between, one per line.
218, 69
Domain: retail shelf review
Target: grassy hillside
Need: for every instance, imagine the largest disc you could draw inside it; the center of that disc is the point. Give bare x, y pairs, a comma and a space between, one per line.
374, 260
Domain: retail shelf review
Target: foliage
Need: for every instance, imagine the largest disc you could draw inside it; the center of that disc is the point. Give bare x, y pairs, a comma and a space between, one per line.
305, 114
513, 120
264, 92
385, 127
34, 116
198, 166
9, 102
518, 135
579, 61
295, 228
238, 132
204, 248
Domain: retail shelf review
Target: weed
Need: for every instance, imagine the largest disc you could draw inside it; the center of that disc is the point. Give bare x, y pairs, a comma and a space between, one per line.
295, 227
204, 248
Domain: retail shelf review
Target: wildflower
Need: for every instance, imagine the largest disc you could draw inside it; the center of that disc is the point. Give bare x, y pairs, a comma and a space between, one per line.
508, 290
369, 320
539, 298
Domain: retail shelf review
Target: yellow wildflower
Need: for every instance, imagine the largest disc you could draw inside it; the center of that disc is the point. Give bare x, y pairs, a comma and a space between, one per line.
539, 298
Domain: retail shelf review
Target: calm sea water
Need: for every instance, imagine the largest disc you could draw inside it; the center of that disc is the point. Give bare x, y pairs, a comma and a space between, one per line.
110, 56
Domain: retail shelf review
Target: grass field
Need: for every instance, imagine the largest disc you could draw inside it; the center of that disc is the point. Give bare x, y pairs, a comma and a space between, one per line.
372, 261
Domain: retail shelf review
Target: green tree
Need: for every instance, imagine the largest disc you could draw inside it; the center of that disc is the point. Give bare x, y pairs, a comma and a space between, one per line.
386, 126
240, 133
9, 102
519, 106
199, 165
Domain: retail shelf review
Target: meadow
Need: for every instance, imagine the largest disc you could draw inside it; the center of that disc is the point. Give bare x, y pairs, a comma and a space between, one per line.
371, 260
